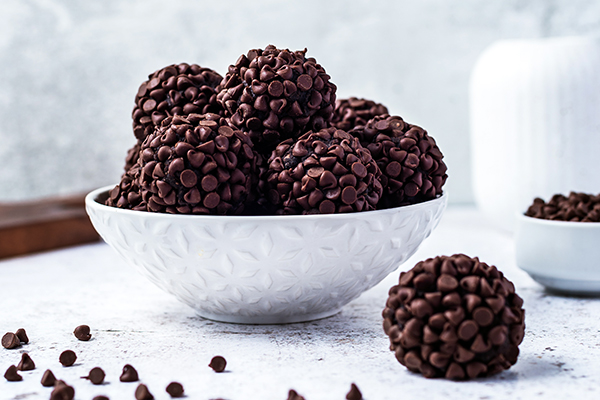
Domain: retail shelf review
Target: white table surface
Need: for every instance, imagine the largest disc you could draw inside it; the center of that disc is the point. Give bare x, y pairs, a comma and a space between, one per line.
134, 322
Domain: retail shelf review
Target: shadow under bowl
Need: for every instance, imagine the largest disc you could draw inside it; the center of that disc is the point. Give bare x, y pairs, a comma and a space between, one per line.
563, 256
265, 269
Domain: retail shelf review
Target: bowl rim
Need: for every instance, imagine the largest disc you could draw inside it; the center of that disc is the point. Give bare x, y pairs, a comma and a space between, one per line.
557, 223
90, 201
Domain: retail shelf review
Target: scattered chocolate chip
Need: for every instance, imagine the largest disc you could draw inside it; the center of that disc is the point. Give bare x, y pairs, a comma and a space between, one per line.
175, 389
354, 393
293, 395
22, 335
67, 358
353, 112
12, 375
411, 163
100, 397
10, 341
82, 332
96, 376
62, 391
142, 393
218, 364
48, 379
577, 207
129, 374
26, 363
453, 317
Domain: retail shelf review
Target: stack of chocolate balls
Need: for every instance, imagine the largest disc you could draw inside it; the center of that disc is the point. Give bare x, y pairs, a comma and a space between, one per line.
269, 138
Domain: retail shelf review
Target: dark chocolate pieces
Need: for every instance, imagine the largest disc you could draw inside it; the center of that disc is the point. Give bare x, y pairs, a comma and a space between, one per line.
218, 363
96, 376
321, 173
277, 94
10, 341
22, 335
142, 393
175, 389
354, 393
26, 363
82, 332
576, 207
457, 328
62, 391
12, 374
48, 379
129, 374
67, 358
293, 395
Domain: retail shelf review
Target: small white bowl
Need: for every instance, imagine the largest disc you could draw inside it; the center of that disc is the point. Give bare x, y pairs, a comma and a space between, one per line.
563, 256
265, 269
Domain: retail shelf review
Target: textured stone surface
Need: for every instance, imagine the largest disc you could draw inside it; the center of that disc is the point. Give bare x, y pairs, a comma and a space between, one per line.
134, 322
71, 68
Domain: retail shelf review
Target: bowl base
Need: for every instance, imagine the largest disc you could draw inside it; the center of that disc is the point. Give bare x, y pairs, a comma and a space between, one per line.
267, 319
569, 286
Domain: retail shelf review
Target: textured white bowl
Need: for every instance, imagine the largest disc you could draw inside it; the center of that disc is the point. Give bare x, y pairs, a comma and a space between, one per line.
563, 256
265, 269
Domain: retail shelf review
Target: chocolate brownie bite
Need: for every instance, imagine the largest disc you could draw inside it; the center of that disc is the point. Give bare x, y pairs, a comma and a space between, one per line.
353, 112
323, 172
277, 94
178, 89
192, 165
454, 317
411, 163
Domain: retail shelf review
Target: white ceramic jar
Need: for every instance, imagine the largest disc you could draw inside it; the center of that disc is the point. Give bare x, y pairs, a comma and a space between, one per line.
535, 123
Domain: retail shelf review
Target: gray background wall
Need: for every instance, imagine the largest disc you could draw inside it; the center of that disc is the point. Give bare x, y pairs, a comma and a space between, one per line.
70, 68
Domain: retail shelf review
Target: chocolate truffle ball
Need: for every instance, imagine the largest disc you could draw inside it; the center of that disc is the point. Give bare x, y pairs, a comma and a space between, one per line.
191, 165
352, 112
454, 317
179, 89
411, 163
322, 173
277, 94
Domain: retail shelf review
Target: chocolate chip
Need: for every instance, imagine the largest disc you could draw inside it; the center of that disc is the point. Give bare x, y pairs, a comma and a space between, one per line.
62, 391
129, 374
293, 395
175, 389
67, 358
22, 335
96, 376
353, 112
142, 393
10, 341
354, 393
12, 375
576, 207
82, 332
26, 363
100, 397
218, 364
48, 379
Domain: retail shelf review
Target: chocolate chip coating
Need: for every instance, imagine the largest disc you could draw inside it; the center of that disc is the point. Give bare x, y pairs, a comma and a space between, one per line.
352, 112
411, 163
190, 165
277, 94
457, 328
323, 172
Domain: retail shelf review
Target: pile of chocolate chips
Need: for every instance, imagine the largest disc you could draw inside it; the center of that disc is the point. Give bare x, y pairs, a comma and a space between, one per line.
271, 101
454, 317
577, 207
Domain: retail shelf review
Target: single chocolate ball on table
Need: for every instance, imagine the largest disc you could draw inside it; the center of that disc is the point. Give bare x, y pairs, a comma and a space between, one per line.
323, 172
277, 94
353, 112
454, 317
411, 163
178, 89
193, 165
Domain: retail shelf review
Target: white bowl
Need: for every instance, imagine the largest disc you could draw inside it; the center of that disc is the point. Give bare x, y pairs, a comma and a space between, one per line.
563, 256
265, 269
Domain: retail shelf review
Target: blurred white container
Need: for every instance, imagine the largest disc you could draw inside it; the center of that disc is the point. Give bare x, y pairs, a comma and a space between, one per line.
535, 123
